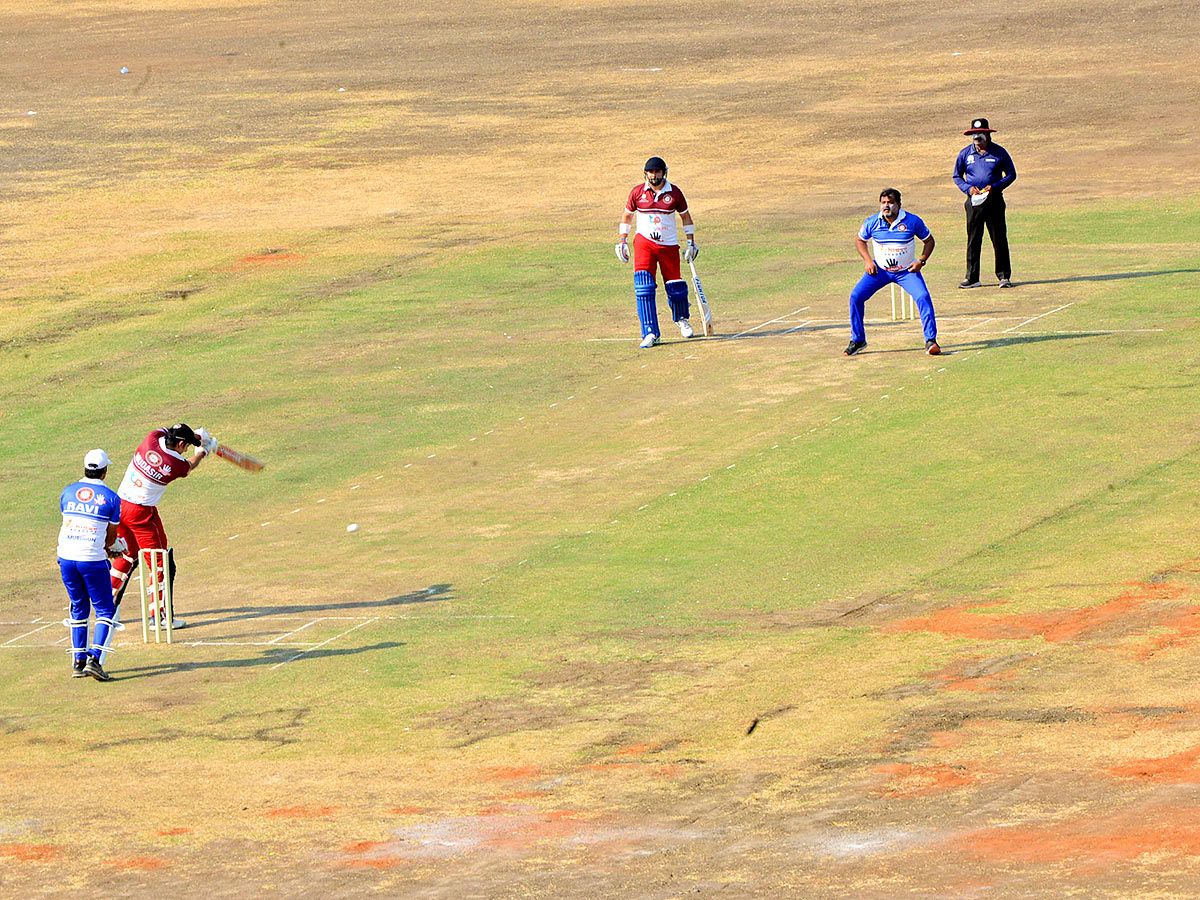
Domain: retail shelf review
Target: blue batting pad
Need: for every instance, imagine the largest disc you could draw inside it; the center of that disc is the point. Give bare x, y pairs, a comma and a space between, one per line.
677, 298
643, 291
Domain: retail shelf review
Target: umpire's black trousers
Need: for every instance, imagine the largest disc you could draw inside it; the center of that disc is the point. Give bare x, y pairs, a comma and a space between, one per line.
990, 213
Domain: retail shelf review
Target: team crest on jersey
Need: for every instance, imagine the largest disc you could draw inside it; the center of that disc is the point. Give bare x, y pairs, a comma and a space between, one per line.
970, 157
85, 495
153, 457
666, 198
902, 227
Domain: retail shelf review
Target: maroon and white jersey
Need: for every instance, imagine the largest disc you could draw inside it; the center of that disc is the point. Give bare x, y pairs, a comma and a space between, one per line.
152, 468
656, 212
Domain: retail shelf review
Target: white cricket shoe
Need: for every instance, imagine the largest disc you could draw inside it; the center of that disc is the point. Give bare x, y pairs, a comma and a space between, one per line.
649, 340
685, 328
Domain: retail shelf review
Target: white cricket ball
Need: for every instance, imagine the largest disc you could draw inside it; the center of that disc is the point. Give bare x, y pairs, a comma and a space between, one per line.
352, 527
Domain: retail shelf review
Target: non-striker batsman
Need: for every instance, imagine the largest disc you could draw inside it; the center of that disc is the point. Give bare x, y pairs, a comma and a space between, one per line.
654, 204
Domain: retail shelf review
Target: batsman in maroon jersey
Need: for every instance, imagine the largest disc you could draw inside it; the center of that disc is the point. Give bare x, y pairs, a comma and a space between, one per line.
157, 462
654, 204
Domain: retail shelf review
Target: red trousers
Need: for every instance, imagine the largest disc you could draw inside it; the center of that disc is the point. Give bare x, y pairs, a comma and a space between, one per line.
142, 529
648, 255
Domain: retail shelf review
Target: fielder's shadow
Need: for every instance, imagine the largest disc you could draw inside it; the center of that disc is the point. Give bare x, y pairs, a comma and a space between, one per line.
271, 657
435, 593
1112, 276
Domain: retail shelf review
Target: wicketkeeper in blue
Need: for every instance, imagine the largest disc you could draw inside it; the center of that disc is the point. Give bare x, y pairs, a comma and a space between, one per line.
90, 513
894, 261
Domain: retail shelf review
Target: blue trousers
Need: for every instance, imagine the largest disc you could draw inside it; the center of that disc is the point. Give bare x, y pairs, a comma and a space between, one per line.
89, 586
868, 285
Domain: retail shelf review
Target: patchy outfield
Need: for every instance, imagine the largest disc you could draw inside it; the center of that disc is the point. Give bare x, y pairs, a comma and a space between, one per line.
735, 614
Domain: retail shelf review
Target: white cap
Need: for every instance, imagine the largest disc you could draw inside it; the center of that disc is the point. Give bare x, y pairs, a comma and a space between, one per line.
96, 459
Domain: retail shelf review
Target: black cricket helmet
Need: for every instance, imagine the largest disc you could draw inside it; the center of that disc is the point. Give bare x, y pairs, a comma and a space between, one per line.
655, 162
183, 433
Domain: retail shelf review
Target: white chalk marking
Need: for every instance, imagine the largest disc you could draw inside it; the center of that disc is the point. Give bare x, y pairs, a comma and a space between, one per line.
323, 643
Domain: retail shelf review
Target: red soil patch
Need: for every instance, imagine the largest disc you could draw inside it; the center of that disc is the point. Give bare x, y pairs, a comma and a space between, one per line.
173, 832
1056, 627
1092, 840
1179, 768
524, 795
954, 677
29, 852
635, 749
301, 812
511, 773
363, 846
144, 863
371, 862
279, 258
526, 830
944, 740
408, 810
1186, 627
920, 781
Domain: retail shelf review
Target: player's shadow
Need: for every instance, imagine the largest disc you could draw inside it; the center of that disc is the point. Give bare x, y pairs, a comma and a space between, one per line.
272, 657
435, 593
992, 343
1111, 276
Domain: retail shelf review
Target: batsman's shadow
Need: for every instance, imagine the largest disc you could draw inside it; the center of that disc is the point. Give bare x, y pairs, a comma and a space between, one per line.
272, 657
435, 593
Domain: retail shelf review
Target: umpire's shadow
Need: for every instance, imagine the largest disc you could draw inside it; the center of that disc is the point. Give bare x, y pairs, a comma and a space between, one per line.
435, 593
270, 657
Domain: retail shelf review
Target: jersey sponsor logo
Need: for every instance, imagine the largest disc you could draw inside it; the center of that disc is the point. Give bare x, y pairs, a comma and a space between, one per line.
656, 236
84, 495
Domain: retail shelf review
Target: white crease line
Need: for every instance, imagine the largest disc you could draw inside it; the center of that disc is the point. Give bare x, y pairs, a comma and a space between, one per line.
976, 325
1041, 316
765, 324
28, 633
295, 631
798, 327
323, 643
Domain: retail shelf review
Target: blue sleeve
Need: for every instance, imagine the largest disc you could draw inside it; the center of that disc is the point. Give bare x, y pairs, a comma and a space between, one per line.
115, 503
921, 226
960, 167
1010, 172
864, 231
62, 500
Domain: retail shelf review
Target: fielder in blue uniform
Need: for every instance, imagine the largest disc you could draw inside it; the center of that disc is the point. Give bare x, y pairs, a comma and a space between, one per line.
894, 233
90, 513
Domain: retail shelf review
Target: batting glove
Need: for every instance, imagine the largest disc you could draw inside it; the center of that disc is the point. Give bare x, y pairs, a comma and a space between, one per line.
622, 251
690, 252
209, 444
118, 547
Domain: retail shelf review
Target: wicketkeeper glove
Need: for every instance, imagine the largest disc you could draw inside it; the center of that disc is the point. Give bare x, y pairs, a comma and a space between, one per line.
622, 251
690, 252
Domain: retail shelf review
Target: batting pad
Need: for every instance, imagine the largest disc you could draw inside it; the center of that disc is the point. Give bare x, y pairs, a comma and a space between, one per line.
644, 291
677, 298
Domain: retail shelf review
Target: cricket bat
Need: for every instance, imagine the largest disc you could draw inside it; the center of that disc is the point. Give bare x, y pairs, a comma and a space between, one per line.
705, 312
249, 463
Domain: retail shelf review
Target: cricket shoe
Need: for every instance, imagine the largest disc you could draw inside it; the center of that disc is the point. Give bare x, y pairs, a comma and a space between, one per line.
685, 328
932, 348
92, 667
649, 341
77, 668
854, 347
968, 283
1005, 283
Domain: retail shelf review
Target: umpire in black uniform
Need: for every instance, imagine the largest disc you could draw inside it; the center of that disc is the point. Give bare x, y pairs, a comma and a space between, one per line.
982, 171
